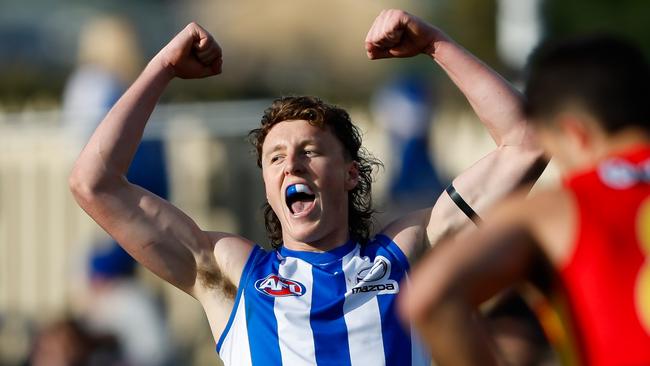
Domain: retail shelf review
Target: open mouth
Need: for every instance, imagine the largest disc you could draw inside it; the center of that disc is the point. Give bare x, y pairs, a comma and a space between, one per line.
299, 198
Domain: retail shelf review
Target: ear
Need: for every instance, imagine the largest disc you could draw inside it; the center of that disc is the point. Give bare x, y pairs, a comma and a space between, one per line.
577, 131
352, 176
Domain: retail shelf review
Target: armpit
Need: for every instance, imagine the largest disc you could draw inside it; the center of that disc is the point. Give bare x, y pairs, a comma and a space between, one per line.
212, 278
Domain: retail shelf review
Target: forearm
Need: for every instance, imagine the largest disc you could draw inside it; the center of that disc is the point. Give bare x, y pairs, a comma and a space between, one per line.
111, 148
396, 33
448, 286
455, 335
497, 104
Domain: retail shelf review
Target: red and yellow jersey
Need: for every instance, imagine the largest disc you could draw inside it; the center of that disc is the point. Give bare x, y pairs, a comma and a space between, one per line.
607, 278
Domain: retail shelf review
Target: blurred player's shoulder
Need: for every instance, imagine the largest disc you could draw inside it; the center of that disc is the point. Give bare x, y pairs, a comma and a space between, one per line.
549, 215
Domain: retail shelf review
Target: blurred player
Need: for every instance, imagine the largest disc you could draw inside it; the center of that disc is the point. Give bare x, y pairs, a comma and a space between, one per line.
327, 294
586, 243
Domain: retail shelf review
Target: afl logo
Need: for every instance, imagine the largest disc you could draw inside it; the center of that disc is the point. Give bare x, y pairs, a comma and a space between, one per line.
276, 286
374, 273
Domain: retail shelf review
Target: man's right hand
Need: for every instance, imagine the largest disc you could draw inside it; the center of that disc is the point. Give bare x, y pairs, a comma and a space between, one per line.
192, 53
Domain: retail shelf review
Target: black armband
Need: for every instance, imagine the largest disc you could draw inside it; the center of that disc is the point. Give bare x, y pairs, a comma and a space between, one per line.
460, 202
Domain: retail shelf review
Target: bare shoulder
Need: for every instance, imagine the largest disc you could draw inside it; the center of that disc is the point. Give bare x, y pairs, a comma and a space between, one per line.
218, 273
408, 232
550, 215
556, 223
222, 267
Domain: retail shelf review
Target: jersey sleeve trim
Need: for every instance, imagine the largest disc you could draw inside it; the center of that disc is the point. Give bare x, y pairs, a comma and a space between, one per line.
252, 258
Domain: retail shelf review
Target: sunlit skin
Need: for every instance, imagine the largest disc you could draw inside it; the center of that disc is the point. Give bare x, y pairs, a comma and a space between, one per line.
446, 287
208, 264
575, 141
298, 152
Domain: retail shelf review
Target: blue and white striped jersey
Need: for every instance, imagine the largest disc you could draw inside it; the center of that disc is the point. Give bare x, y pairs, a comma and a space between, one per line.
335, 308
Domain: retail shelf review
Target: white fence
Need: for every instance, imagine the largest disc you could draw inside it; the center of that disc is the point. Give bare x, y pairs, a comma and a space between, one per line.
43, 233
213, 177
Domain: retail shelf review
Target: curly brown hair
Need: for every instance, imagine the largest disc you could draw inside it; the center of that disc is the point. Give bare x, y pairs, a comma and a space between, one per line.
323, 115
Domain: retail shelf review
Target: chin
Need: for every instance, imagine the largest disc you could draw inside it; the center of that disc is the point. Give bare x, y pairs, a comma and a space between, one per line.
305, 235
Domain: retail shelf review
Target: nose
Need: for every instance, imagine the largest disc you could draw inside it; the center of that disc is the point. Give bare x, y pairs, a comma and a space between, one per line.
293, 165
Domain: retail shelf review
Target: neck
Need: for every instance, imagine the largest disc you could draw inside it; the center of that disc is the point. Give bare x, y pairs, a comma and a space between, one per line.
620, 142
320, 245
604, 147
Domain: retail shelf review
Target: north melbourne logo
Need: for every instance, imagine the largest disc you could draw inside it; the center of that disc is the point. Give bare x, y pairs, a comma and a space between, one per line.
375, 279
374, 273
276, 286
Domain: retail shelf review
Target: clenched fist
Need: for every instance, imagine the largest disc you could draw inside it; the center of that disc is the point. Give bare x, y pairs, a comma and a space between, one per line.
396, 33
192, 53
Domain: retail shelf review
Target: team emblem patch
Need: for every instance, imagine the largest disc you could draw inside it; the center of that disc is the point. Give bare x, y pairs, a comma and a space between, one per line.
621, 174
276, 286
375, 279
618, 173
374, 273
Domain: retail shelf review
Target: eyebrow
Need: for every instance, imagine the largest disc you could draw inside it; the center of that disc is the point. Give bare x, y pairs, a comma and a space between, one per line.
282, 146
275, 148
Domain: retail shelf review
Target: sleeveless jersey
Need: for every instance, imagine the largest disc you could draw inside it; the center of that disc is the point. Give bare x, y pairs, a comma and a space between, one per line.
298, 308
607, 279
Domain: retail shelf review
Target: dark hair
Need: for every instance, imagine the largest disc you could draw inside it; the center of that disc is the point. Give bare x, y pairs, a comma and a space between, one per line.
606, 76
323, 115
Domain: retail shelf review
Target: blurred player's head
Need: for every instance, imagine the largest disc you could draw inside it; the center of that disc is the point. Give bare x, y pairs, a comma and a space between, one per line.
316, 173
586, 93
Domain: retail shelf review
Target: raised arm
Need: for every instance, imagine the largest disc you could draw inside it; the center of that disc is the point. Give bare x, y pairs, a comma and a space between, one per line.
154, 232
396, 33
516, 159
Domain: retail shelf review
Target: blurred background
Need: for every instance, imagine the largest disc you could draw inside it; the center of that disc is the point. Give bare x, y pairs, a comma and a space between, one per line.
67, 292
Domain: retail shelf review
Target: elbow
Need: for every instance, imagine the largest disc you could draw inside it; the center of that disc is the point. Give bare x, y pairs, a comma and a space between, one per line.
80, 186
528, 139
86, 186
519, 132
